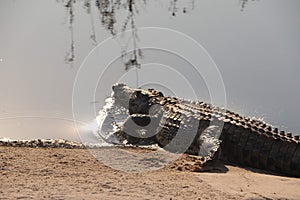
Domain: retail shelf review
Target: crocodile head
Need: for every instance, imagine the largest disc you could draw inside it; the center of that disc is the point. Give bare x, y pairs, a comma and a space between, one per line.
144, 113
137, 101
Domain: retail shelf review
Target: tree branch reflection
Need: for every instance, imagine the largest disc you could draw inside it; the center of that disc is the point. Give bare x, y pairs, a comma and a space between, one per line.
109, 14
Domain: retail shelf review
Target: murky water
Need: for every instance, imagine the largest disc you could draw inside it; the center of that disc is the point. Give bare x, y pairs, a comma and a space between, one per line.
43, 44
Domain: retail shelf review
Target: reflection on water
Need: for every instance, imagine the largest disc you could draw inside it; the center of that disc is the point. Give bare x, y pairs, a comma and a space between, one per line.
108, 13
244, 3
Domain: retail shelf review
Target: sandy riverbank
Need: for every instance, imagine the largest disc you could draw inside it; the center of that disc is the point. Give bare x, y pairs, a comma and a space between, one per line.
59, 173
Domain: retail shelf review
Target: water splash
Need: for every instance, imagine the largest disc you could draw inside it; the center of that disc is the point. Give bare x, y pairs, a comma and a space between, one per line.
110, 118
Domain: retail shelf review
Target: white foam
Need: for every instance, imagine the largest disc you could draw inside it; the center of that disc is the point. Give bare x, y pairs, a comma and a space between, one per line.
110, 119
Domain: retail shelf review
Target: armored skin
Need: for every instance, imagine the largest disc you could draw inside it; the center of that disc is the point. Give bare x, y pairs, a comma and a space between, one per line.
199, 128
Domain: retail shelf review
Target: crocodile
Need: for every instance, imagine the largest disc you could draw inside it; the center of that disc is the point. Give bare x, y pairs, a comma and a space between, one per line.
202, 129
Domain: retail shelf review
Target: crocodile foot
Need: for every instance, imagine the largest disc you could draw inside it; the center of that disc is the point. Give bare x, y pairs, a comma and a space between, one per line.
196, 164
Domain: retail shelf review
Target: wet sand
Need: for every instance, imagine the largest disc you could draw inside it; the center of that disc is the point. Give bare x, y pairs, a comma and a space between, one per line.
58, 173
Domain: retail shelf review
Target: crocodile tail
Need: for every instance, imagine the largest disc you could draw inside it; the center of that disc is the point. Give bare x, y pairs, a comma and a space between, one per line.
260, 146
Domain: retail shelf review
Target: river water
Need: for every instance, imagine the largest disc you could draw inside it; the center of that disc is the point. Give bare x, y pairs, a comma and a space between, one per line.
45, 44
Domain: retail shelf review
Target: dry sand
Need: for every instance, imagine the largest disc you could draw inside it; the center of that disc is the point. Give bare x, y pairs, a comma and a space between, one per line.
53, 173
